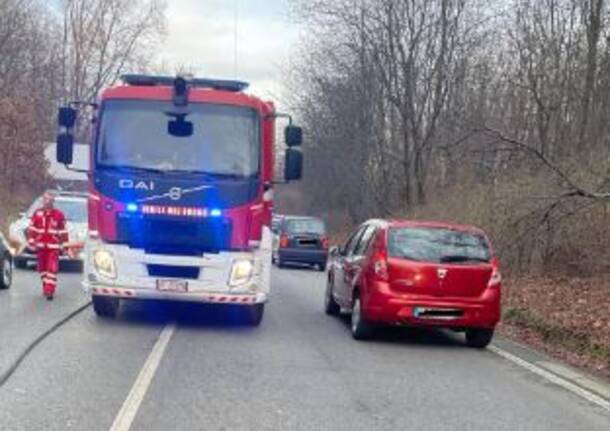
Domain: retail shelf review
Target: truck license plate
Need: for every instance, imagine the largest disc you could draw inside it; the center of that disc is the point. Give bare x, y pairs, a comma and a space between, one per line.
172, 285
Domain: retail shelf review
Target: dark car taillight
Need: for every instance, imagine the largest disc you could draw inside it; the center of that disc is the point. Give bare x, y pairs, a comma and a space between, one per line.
284, 241
325, 243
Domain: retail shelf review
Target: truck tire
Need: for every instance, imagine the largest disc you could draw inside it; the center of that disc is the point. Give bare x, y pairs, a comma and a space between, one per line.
6, 268
479, 337
254, 314
105, 306
21, 263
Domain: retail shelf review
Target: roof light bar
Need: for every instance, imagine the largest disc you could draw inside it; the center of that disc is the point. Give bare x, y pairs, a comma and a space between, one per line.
154, 80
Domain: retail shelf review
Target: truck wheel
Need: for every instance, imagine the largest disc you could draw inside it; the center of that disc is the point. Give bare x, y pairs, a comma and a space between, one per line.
479, 337
321, 267
361, 328
330, 305
21, 263
6, 266
105, 307
254, 314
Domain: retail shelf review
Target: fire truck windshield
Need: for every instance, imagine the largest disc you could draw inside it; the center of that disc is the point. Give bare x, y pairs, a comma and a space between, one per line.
225, 139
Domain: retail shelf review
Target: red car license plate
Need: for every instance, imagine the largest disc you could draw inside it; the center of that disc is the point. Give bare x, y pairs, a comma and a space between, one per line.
172, 285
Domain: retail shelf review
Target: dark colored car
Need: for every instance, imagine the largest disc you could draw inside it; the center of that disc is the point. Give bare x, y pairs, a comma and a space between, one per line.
302, 240
416, 274
6, 264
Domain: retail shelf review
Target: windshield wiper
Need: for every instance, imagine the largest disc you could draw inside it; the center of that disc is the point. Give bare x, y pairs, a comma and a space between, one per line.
135, 168
462, 258
227, 175
207, 174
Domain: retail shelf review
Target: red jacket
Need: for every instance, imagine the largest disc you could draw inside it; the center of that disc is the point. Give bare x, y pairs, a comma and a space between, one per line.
47, 230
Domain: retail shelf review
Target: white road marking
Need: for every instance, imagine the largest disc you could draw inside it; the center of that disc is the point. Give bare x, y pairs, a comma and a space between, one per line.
553, 378
132, 403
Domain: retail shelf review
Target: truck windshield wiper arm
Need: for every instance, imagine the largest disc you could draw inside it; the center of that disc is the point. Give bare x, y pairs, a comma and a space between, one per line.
214, 174
178, 171
136, 168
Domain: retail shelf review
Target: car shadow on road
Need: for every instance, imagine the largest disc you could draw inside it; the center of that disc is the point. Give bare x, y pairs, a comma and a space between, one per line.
412, 336
298, 267
184, 314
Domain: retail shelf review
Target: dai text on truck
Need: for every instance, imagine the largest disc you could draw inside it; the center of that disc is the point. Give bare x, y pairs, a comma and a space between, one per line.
180, 192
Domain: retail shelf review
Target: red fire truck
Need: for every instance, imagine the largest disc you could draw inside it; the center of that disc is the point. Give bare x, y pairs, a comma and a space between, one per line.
180, 192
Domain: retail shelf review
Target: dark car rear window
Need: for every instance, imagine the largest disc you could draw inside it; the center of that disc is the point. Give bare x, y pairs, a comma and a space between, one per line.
304, 225
438, 245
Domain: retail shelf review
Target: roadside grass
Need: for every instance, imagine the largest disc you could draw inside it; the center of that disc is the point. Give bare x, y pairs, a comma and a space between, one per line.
566, 338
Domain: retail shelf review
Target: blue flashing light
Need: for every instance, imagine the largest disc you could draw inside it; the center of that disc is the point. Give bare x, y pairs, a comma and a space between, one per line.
132, 208
215, 212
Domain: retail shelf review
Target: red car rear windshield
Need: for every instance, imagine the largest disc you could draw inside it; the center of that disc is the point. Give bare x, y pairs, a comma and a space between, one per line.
437, 245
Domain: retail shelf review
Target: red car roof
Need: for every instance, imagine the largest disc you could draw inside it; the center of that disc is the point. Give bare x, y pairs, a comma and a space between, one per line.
436, 225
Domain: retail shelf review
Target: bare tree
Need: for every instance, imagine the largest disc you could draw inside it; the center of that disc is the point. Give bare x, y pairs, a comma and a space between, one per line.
101, 38
45, 59
410, 99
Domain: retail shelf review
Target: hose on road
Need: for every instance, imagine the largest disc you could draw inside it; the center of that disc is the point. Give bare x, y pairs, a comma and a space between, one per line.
13, 367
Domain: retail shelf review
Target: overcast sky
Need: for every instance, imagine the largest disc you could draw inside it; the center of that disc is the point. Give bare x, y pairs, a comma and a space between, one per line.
201, 37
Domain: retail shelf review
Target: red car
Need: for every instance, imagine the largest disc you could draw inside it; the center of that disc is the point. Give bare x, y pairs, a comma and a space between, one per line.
415, 273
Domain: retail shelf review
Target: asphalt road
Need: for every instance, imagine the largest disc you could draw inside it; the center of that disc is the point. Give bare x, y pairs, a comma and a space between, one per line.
300, 370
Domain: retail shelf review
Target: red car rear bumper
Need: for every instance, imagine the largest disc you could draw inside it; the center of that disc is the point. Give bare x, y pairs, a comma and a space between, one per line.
383, 305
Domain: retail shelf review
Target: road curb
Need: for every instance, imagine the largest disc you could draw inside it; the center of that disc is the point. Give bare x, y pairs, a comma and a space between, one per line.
593, 389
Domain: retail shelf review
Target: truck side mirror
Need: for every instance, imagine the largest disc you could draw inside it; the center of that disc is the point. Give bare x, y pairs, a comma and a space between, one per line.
65, 148
293, 136
66, 117
293, 167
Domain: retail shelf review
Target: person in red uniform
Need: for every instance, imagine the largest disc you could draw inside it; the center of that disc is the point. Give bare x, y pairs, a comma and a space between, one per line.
47, 236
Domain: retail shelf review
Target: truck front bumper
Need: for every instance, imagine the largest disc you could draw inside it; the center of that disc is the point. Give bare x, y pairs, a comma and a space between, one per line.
152, 294
208, 278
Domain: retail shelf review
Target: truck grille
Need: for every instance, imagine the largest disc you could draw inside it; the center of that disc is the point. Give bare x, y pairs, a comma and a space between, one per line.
174, 235
170, 271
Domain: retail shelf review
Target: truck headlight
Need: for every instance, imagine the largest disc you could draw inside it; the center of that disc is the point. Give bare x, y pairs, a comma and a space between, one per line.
104, 263
241, 272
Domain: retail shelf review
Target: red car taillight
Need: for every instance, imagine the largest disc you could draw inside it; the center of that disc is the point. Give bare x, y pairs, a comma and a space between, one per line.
381, 270
325, 243
284, 241
380, 266
496, 278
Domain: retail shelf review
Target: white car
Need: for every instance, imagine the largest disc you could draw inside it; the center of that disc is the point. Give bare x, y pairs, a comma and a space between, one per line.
74, 207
